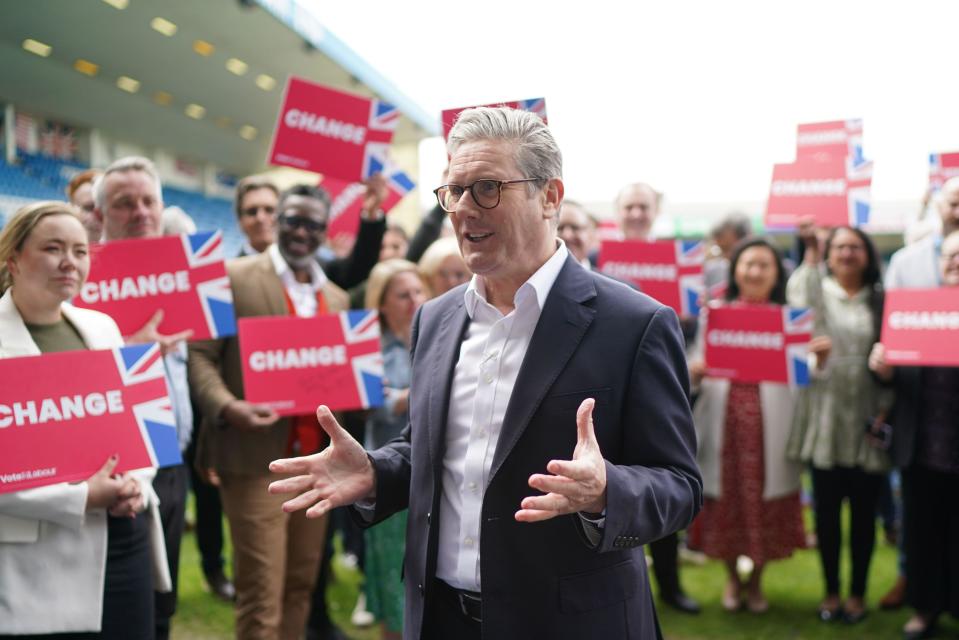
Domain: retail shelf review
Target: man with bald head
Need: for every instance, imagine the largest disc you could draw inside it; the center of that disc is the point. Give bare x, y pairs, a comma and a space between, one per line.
916, 265
637, 207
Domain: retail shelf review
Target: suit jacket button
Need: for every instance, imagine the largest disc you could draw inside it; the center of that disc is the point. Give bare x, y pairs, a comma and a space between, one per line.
420, 587
428, 517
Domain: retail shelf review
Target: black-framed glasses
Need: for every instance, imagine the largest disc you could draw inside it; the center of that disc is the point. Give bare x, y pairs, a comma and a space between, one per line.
302, 222
486, 193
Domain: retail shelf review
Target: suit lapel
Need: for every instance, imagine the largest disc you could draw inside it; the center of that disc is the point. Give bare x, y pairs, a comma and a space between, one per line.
449, 337
560, 329
271, 287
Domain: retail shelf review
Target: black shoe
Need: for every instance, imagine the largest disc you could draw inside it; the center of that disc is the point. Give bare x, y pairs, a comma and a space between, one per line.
854, 618
682, 603
221, 586
929, 631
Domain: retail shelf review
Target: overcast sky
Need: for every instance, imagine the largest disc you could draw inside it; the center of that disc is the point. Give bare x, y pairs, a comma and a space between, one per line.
697, 98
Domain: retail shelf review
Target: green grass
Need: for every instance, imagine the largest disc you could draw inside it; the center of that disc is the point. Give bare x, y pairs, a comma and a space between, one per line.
793, 587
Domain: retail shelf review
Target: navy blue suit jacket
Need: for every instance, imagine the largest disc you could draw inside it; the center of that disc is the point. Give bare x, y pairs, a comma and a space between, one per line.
595, 338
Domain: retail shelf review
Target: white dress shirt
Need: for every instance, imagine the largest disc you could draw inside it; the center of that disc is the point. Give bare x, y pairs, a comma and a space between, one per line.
491, 354
302, 294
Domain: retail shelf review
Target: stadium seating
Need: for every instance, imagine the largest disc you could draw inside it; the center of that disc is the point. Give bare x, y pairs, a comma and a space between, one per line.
38, 177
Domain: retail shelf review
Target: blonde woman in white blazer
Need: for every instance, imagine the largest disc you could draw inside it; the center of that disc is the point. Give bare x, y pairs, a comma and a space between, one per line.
63, 546
751, 491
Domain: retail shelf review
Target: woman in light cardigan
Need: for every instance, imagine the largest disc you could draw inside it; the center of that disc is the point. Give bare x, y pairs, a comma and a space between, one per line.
751, 491
77, 560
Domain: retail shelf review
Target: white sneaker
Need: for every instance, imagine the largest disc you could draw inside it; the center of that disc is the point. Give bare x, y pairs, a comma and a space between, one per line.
360, 616
349, 560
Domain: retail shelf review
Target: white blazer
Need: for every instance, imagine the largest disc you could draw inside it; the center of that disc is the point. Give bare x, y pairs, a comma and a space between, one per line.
52, 550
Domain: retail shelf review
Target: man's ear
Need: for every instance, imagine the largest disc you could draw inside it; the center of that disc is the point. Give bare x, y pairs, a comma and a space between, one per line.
98, 214
553, 198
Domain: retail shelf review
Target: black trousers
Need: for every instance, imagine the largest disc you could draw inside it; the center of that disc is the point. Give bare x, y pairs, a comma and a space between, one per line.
931, 510
170, 485
665, 553
443, 620
830, 488
209, 512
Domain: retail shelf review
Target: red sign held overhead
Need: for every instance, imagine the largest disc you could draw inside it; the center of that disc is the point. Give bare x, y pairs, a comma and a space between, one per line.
536, 105
57, 426
758, 343
669, 270
830, 180
920, 327
182, 275
348, 200
331, 132
295, 364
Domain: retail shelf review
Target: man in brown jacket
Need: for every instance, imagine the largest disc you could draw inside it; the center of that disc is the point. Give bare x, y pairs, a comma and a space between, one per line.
276, 554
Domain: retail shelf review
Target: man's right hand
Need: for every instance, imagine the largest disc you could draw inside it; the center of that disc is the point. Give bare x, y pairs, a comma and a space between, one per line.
339, 475
247, 416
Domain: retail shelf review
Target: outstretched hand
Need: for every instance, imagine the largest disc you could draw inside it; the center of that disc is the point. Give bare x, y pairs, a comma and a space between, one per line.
150, 333
339, 475
577, 485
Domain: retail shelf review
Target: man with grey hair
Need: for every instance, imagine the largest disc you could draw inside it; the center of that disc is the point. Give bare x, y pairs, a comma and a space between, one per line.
128, 201
550, 435
916, 265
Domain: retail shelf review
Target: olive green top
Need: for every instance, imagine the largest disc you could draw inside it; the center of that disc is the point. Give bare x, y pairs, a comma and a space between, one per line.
829, 424
59, 336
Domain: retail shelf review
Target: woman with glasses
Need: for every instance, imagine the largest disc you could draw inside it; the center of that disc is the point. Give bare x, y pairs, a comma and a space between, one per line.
75, 559
751, 505
396, 290
925, 445
829, 428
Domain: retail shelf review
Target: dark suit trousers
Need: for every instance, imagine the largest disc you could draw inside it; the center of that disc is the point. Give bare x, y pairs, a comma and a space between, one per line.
170, 485
666, 565
209, 512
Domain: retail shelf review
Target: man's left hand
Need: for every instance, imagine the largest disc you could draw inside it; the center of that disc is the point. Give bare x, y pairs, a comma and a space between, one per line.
376, 192
577, 485
150, 333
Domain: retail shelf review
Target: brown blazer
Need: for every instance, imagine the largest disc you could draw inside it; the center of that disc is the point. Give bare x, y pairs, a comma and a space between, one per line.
216, 375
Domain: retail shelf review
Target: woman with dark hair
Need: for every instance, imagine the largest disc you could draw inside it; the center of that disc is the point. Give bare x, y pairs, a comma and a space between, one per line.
829, 427
751, 505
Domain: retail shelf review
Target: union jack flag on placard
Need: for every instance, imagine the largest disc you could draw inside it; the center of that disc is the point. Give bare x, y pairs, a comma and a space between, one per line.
294, 364
183, 275
77, 408
797, 332
348, 199
141, 363
690, 255
383, 116
942, 167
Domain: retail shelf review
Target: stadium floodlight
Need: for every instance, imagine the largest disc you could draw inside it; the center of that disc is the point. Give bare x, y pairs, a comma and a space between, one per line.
237, 66
163, 98
247, 132
195, 111
118, 4
265, 82
86, 67
36, 47
203, 48
128, 84
163, 26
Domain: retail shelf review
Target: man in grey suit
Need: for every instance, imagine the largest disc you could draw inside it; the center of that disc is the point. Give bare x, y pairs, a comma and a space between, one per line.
550, 435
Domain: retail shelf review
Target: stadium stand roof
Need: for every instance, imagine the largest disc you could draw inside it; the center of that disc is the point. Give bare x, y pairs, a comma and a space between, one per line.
266, 41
